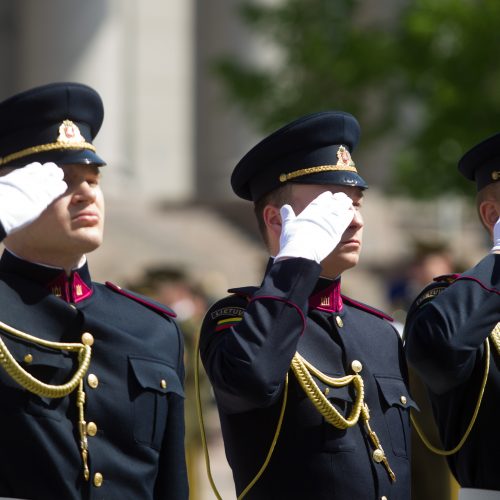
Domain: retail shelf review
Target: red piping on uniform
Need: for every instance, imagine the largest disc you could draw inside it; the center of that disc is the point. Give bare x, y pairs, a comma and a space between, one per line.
279, 299
116, 288
371, 310
494, 290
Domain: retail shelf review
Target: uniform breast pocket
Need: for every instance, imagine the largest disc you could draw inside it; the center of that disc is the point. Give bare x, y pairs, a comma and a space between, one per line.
396, 402
51, 368
335, 439
151, 385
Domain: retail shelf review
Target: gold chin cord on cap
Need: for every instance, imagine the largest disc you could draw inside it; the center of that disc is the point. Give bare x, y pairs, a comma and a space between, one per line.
315, 170
35, 386
303, 371
69, 137
344, 164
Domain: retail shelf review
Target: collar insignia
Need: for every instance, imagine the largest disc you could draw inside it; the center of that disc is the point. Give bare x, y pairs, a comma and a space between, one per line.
327, 299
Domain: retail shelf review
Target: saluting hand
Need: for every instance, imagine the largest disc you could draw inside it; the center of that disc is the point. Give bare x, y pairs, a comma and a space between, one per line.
26, 192
496, 237
317, 230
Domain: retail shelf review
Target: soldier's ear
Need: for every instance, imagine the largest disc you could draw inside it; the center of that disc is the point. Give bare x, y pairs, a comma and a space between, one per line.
489, 212
272, 220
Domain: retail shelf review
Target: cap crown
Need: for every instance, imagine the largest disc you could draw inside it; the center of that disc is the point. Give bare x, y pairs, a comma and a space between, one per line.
55, 122
314, 149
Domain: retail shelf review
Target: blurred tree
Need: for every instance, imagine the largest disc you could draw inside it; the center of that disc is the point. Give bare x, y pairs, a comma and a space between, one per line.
427, 73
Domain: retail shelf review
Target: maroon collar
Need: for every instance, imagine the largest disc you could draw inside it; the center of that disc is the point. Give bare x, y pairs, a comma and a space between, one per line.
326, 296
73, 288
70, 288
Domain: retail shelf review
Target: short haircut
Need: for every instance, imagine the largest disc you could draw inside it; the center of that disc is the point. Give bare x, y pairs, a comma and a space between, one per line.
278, 197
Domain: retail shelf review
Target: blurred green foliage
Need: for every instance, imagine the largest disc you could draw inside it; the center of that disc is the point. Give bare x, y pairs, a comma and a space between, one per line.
427, 72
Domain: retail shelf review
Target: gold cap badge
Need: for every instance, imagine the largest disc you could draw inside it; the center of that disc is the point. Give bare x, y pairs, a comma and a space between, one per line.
344, 157
69, 133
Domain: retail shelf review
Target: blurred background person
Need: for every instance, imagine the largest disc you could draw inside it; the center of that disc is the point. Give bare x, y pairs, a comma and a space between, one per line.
174, 287
407, 278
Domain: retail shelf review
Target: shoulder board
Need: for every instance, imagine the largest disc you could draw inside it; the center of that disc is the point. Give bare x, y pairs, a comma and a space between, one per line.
366, 308
150, 304
447, 278
244, 291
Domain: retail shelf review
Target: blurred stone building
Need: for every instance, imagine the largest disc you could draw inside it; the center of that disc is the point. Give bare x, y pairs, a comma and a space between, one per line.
171, 141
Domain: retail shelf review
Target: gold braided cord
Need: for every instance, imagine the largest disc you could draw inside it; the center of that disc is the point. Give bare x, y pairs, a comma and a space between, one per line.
35, 386
446, 453
314, 170
82, 427
376, 442
201, 422
204, 437
302, 370
495, 337
32, 384
273, 443
42, 148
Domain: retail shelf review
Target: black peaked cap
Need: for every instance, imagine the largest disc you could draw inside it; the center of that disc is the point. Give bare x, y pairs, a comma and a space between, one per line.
482, 162
313, 149
55, 122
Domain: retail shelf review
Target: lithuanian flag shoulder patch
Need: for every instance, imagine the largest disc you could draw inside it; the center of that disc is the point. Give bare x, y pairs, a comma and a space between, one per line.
222, 324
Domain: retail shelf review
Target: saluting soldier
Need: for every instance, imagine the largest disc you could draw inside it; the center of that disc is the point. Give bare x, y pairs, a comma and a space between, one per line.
91, 376
453, 343
293, 359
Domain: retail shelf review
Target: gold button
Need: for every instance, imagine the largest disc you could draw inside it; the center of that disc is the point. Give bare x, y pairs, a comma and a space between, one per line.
356, 366
163, 383
383, 498
327, 391
93, 381
87, 338
378, 455
98, 479
339, 321
403, 399
91, 429
28, 358
73, 306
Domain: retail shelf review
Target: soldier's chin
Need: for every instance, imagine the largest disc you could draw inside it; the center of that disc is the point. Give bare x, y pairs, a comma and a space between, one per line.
335, 264
88, 241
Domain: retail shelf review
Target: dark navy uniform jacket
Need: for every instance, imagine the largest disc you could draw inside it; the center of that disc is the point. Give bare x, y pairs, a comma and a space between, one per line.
247, 343
445, 345
134, 391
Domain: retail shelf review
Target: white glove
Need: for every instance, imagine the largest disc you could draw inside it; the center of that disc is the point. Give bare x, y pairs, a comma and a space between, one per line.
496, 237
26, 192
317, 230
